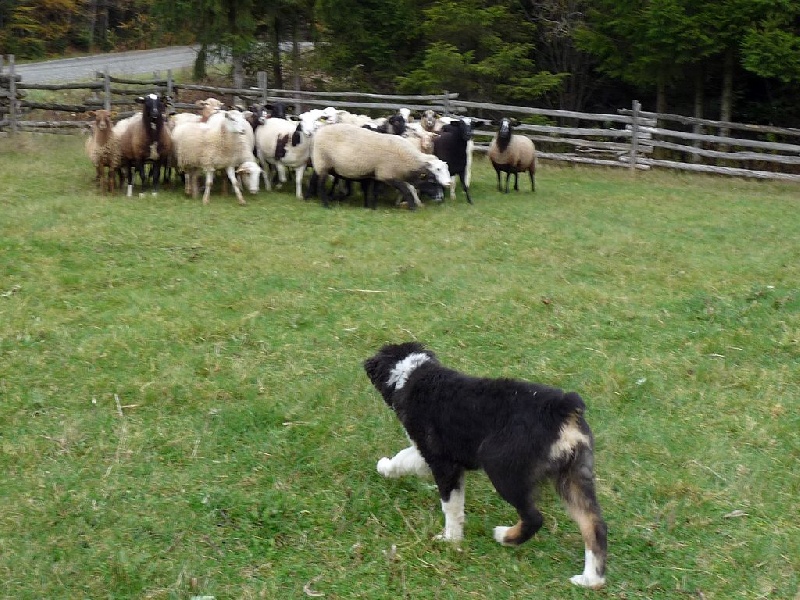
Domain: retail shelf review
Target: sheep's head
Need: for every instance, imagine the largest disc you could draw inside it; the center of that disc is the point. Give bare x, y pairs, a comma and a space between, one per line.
396, 124
251, 173
154, 110
432, 178
428, 120
102, 119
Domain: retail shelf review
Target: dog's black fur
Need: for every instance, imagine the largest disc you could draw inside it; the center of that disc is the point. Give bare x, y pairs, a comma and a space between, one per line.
519, 433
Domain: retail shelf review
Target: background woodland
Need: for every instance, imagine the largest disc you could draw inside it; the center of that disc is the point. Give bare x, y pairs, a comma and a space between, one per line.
721, 59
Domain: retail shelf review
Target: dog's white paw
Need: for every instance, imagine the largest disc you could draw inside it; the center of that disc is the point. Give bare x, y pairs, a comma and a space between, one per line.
500, 533
450, 536
385, 467
588, 582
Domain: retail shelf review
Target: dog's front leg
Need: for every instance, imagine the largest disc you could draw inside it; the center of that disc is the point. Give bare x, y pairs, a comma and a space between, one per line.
406, 462
453, 509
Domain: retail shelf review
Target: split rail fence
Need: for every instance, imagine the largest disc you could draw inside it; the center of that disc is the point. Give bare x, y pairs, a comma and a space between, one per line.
630, 138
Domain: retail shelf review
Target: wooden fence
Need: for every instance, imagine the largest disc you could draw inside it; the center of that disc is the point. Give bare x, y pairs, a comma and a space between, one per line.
630, 138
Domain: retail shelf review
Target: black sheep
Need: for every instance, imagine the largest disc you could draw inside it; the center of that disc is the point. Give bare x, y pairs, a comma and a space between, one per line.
452, 146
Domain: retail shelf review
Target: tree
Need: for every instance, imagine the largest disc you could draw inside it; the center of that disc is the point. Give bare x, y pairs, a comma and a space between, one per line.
480, 49
367, 43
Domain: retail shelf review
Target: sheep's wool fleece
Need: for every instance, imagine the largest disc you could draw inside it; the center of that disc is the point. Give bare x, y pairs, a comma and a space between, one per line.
519, 154
355, 152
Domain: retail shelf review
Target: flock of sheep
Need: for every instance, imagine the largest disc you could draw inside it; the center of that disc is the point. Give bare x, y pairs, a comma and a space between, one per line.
415, 156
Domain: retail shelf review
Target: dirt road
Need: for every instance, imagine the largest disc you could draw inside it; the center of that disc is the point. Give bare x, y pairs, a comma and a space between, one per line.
120, 64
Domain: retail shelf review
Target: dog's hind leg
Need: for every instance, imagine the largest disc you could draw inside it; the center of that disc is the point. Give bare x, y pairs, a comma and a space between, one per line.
518, 494
575, 484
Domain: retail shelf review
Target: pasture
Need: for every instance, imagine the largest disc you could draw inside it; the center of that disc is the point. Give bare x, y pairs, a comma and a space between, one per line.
183, 410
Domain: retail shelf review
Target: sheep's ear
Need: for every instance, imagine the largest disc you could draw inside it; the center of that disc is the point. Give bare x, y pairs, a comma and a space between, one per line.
294, 118
91, 114
200, 102
113, 114
513, 122
140, 100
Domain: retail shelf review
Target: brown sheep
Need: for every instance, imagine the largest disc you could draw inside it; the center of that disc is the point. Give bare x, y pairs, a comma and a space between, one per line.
511, 153
102, 148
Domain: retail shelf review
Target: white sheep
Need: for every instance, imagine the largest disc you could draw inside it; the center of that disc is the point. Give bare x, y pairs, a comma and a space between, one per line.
294, 151
220, 143
512, 153
357, 153
102, 148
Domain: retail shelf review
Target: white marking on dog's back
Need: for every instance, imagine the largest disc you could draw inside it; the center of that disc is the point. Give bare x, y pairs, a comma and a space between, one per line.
403, 369
569, 437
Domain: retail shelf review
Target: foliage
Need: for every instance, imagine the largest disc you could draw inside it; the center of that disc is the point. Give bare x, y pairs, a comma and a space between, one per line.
481, 50
367, 43
184, 412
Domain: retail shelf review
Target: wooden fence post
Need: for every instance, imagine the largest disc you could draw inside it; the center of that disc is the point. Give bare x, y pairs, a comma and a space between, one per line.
446, 103
262, 85
106, 89
169, 83
634, 134
12, 94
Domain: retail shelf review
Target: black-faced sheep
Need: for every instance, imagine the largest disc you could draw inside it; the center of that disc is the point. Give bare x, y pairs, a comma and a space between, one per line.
454, 146
145, 137
356, 153
512, 153
102, 148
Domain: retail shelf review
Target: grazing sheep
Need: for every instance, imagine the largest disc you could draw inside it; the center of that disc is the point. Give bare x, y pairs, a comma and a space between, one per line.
221, 143
102, 148
454, 146
511, 153
144, 137
356, 153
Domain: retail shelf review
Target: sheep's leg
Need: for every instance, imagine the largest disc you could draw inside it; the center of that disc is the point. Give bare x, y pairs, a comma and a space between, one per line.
156, 176
464, 185
408, 192
231, 171
516, 181
532, 173
298, 182
209, 183
453, 188
281, 172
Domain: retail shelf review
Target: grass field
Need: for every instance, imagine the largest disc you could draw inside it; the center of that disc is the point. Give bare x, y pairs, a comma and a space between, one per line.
183, 410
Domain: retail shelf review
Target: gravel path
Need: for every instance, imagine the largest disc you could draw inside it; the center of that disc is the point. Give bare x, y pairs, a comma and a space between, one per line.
136, 62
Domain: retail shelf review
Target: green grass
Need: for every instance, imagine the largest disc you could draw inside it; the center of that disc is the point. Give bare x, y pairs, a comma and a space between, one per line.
183, 410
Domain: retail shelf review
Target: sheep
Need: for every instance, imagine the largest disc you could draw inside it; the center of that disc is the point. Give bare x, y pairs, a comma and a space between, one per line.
294, 151
356, 153
102, 148
454, 146
275, 129
221, 143
511, 153
431, 121
143, 137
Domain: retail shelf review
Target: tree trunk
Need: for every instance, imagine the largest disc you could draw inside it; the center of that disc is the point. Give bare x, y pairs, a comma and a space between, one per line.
726, 101
199, 71
277, 71
699, 98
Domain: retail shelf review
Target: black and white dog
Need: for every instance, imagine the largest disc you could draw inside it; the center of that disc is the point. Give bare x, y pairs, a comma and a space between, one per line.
519, 433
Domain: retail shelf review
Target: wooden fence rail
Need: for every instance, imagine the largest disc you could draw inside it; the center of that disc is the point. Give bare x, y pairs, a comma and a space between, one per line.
630, 138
